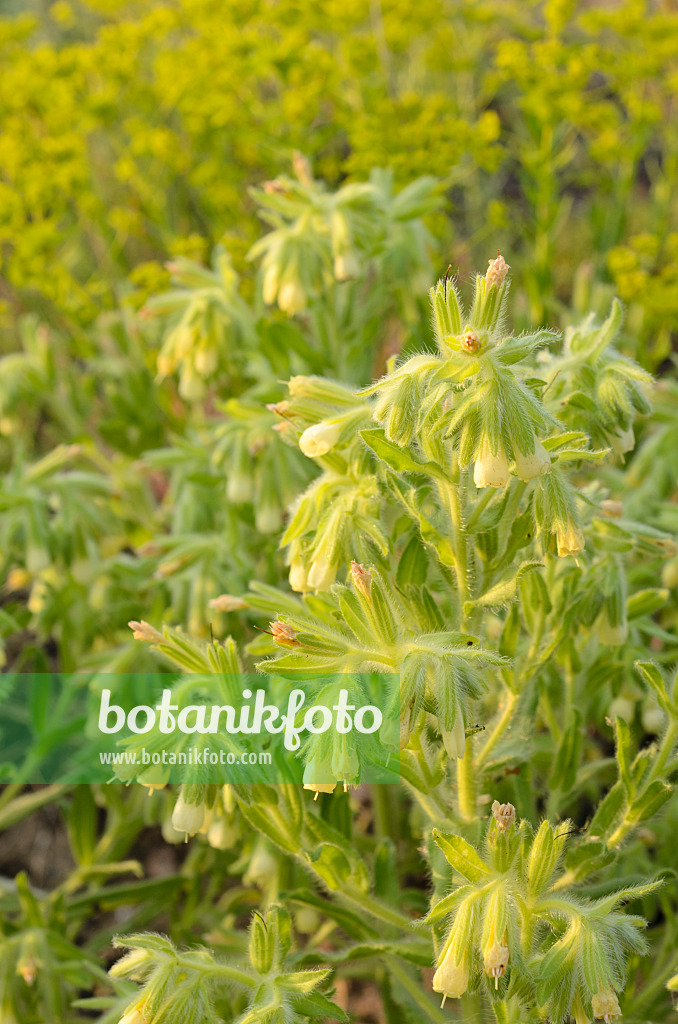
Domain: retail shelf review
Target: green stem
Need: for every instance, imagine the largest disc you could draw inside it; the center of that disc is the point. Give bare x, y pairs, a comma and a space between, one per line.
466, 783
499, 729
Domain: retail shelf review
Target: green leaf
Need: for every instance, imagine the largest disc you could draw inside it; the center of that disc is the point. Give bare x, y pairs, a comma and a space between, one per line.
504, 592
398, 459
463, 857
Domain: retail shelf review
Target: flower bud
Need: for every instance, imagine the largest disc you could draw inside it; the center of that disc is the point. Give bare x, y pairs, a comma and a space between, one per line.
536, 464
623, 442
222, 834
131, 965
262, 946
653, 718
495, 961
291, 296
570, 541
298, 577
307, 920
490, 470
227, 603
504, 815
670, 574
496, 271
450, 978
606, 1005
319, 439
613, 509
263, 867
469, 342
187, 818
454, 740
346, 266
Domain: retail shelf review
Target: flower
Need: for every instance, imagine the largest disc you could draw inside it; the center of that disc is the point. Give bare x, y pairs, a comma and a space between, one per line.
222, 834
504, 815
144, 631
451, 979
611, 508
606, 1005
454, 740
536, 464
319, 439
227, 603
318, 777
490, 470
187, 818
496, 271
362, 579
496, 959
346, 266
570, 541
284, 634
623, 442
469, 342
291, 297
321, 575
298, 577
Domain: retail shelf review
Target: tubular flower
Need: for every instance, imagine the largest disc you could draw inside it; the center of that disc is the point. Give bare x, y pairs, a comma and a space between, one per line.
319, 439
298, 577
318, 777
490, 470
536, 464
495, 961
454, 740
450, 978
570, 541
606, 1005
624, 441
187, 818
321, 575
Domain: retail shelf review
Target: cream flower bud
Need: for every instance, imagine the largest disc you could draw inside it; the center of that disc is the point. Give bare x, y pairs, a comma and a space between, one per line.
227, 603
624, 441
496, 271
504, 815
495, 961
222, 834
292, 297
319, 439
451, 979
570, 541
187, 818
611, 508
454, 740
346, 266
490, 470
606, 1005
270, 285
536, 464
298, 577
321, 575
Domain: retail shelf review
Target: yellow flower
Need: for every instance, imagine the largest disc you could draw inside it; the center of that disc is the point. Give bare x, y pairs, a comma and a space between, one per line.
536, 464
319, 439
495, 961
606, 1005
490, 470
570, 541
451, 979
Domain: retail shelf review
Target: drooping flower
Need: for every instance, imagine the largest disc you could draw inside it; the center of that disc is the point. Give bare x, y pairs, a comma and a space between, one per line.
495, 961
321, 575
570, 541
622, 442
451, 978
606, 1005
536, 464
490, 470
187, 818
